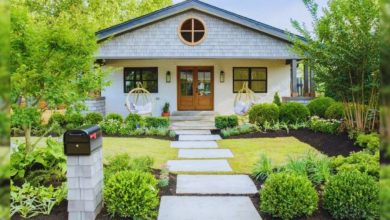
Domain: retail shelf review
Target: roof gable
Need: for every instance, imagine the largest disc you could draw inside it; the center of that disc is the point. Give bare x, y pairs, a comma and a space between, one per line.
193, 5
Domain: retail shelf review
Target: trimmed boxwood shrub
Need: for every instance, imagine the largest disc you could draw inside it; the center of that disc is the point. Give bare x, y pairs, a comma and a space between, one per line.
114, 116
293, 112
58, 118
226, 121
93, 118
319, 105
132, 194
74, 119
352, 195
359, 161
335, 111
288, 196
261, 113
156, 122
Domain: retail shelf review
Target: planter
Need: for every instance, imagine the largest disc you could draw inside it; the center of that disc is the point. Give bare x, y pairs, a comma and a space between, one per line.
166, 114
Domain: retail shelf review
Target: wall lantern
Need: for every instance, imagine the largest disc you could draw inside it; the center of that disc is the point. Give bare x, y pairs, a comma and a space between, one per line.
222, 76
168, 77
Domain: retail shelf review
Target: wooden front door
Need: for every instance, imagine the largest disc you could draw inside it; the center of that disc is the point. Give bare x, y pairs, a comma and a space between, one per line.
195, 88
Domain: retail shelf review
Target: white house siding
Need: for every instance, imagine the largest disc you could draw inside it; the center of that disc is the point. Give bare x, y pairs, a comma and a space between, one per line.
278, 81
224, 40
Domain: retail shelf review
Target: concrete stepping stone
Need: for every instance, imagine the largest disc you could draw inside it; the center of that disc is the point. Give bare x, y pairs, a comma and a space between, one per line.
215, 184
205, 153
207, 208
194, 144
199, 166
197, 132
209, 137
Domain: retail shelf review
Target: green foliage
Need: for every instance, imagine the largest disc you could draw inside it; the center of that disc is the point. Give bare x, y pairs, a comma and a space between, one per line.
164, 177
277, 126
30, 201
123, 162
261, 113
25, 117
134, 121
329, 126
318, 106
277, 100
241, 129
156, 122
360, 161
288, 196
46, 177
352, 195
293, 112
43, 158
93, 118
370, 142
73, 120
57, 118
384, 194
166, 107
114, 116
346, 72
335, 111
110, 126
132, 194
263, 168
227, 121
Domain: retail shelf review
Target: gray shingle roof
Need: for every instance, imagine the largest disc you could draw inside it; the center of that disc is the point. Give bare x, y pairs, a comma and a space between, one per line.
199, 6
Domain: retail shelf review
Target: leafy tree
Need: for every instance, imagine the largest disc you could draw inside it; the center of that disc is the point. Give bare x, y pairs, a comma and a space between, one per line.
343, 51
4, 73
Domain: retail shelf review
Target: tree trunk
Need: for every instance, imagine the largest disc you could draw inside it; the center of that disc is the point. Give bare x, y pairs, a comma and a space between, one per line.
27, 137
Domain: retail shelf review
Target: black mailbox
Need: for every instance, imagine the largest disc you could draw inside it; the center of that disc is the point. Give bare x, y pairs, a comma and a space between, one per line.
83, 140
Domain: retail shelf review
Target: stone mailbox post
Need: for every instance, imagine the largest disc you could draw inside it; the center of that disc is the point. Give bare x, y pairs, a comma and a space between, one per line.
83, 147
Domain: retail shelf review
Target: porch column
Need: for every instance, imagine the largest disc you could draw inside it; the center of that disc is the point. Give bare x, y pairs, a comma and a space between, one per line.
312, 84
294, 88
305, 80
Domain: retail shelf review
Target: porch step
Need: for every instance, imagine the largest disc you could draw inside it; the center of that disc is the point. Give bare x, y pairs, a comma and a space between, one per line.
207, 137
193, 113
192, 118
194, 132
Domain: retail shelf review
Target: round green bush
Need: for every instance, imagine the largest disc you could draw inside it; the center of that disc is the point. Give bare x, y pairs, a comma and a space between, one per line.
352, 195
114, 116
287, 196
335, 111
93, 118
319, 105
58, 118
261, 113
75, 119
293, 112
132, 194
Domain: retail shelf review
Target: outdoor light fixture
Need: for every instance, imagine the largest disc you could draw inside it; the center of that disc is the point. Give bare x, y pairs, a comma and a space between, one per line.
168, 77
222, 76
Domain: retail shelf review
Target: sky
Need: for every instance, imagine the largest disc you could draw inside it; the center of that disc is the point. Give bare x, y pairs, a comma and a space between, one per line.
277, 13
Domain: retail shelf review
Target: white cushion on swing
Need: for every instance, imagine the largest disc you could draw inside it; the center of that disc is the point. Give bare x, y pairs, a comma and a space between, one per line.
141, 109
241, 108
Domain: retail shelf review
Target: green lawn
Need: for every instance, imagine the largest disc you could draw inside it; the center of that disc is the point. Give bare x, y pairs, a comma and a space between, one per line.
159, 150
247, 151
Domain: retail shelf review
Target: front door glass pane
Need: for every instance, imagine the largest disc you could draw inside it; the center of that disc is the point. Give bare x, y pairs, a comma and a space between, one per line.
204, 83
186, 80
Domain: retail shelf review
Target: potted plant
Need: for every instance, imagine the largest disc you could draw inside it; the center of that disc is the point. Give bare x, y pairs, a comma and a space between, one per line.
166, 112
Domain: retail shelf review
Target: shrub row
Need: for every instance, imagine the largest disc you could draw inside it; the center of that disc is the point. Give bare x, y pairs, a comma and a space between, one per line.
229, 121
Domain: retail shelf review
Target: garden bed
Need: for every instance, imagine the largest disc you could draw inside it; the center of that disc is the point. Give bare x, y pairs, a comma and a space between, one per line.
329, 144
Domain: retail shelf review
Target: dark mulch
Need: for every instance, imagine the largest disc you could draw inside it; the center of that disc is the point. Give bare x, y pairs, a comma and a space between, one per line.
329, 144
385, 158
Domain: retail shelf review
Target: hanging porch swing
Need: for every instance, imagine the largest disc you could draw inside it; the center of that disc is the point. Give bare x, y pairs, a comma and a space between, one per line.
139, 101
244, 99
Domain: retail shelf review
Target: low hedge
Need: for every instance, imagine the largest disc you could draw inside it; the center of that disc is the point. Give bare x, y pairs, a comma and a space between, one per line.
228, 121
352, 195
114, 116
335, 111
58, 118
93, 118
318, 106
261, 113
288, 196
156, 122
293, 112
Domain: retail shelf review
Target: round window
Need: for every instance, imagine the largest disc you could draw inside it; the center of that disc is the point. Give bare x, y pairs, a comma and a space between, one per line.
192, 31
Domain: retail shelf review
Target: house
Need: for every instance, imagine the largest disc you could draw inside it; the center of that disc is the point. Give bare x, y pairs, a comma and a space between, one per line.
196, 57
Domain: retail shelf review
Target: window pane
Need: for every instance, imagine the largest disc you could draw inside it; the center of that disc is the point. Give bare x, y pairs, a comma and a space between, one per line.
187, 25
237, 85
259, 73
198, 36
129, 74
151, 86
187, 36
258, 86
129, 85
198, 25
186, 83
149, 74
241, 73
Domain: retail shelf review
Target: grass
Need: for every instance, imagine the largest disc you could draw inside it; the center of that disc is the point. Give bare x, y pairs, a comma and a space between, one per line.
247, 151
157, 149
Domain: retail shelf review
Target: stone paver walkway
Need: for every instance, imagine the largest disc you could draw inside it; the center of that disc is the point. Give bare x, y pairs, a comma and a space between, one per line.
199, 152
